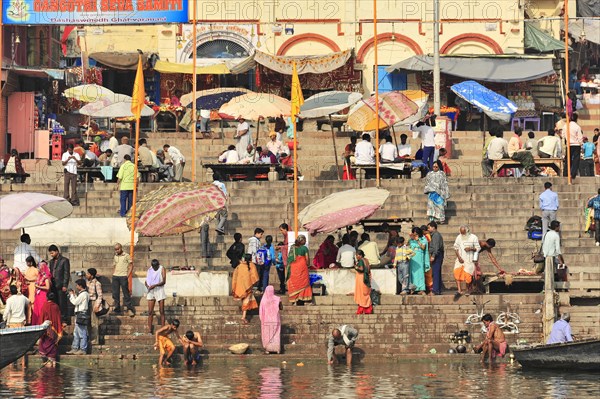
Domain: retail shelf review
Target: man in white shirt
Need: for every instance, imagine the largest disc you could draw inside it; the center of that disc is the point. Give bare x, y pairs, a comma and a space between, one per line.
551, 248
229, 156
243, 136
498, 147
274, 145
364, 152
15, 312
122, 150
70, 161
80, 333
204, 121
346, 253
404, 150
549, 146
388, 151
370, 249
22, 252
575, 142
427, 136
178, 161
113, 143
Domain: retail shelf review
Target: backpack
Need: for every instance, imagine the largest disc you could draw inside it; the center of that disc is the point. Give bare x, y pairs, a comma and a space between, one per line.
263, 257
534, 223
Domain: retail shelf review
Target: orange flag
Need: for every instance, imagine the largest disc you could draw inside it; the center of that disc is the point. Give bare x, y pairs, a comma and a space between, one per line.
297, 97
139, 94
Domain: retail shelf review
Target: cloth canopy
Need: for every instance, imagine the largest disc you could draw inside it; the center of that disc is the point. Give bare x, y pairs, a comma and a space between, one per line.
172, 67
119, 60
327, 103
304, 63
490, 69
588, 28
538, 40
491, 103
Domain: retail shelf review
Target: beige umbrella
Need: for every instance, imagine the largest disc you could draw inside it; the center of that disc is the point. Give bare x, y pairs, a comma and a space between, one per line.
253, 106
89, 93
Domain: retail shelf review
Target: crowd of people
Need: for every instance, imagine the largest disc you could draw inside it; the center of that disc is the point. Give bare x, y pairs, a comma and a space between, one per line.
584, 155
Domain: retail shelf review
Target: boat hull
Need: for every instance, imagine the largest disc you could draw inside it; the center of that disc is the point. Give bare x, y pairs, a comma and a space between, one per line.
15, 342
582, 355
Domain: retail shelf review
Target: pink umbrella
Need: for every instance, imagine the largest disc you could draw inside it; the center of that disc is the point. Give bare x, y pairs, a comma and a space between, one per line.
342, 209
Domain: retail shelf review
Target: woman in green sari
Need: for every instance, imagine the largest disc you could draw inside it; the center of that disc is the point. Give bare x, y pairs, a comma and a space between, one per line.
419, 263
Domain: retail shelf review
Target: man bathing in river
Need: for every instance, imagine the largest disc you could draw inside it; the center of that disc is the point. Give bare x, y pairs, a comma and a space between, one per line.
344, 335
494, 343
164, 344
192, 342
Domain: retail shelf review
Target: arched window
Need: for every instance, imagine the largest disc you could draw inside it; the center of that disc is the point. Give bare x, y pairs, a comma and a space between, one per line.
221, 48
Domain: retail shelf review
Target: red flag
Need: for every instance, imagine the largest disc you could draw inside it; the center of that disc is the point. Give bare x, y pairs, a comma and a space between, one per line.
64, 37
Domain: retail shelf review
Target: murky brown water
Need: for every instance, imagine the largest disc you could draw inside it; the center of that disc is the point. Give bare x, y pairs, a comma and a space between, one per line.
251, 379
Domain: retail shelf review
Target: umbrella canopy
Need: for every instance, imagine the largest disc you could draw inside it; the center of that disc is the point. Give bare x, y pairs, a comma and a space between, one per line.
89, 93
18, 211
342, 209
328, 103
252, 106
393, 107
177, 208
491, 103
187, 99
121, 109
215, 100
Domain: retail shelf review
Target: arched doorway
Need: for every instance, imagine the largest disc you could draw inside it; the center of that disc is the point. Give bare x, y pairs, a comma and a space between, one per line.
471, 43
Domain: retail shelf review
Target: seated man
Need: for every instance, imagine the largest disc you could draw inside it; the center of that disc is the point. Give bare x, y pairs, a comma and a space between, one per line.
106, 156
344, 335
404, 150
274, 145
90, 159
370, 249
165, 166
494, 343
517, 152
388, 151
364, 152
164, 344
229, 156
265, 156
249, 156
191, 342
561, 331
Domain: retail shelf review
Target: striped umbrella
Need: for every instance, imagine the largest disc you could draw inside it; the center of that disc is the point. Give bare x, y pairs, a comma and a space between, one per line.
393, 107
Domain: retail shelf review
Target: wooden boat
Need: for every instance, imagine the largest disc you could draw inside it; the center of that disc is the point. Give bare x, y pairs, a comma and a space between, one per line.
15, 342
578, 355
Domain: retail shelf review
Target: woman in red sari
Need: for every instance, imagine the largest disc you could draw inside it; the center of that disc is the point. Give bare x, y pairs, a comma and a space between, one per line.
244, 277
326, 255
48, 344
362, 284
298, 280
42, 287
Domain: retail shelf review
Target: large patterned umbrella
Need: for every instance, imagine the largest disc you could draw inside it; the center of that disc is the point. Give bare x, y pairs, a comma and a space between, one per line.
21, 210
342, 209
252, 106
176, 209
393, 107
215, 100
187, 99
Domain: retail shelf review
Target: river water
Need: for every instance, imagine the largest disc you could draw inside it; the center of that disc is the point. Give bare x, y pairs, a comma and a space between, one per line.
243, 379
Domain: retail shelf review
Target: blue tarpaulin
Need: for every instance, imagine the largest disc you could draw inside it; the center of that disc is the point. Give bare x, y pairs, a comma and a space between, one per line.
214, 101
491, 103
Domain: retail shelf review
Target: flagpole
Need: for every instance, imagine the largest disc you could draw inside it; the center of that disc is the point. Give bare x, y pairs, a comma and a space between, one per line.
376, 92
295, 162
139, 80
569, 177
194, 116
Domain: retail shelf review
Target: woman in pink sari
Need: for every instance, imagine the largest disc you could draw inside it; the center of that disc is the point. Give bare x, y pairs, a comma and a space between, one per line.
270, 321
42, 287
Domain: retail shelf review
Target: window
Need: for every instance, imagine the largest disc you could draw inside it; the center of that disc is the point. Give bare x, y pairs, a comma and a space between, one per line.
390, 81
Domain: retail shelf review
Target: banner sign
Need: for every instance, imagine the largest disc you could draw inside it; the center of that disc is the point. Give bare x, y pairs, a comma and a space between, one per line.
93, 12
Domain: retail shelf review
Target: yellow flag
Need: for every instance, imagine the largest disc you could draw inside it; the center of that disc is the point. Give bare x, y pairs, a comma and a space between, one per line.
297, 97
139, 94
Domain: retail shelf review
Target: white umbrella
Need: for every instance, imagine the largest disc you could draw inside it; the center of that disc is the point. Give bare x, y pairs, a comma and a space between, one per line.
89, 93
252, 106
120, 109
21, 210
328, 103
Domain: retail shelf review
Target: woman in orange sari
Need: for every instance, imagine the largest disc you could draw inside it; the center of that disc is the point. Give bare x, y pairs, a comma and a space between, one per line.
244, 278
298, 280
362, 285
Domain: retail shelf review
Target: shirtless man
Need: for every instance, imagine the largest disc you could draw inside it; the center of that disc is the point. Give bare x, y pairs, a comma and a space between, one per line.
494, 340
164, 344
191, 342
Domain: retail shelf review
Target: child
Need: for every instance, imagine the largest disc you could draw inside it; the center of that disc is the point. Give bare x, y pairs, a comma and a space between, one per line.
264, 258
403, 255
236, 250
254, 243
191, 341
443, 158
164, 344
280, 267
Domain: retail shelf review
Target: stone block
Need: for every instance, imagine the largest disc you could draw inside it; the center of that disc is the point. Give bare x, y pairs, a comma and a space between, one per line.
190, 284
342, 281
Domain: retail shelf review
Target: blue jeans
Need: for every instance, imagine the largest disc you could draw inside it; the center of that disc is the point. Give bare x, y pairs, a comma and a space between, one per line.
428, 153
402, 272
80, 338
436, 269
264, 276
126, 201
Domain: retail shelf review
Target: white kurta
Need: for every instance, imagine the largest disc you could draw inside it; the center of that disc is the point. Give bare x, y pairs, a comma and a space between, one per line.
470, 241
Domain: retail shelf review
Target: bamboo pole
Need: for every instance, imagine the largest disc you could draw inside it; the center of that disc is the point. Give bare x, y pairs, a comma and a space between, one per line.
376, 93
568, 138
194, 87
134, 201
295, 179
337, 165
